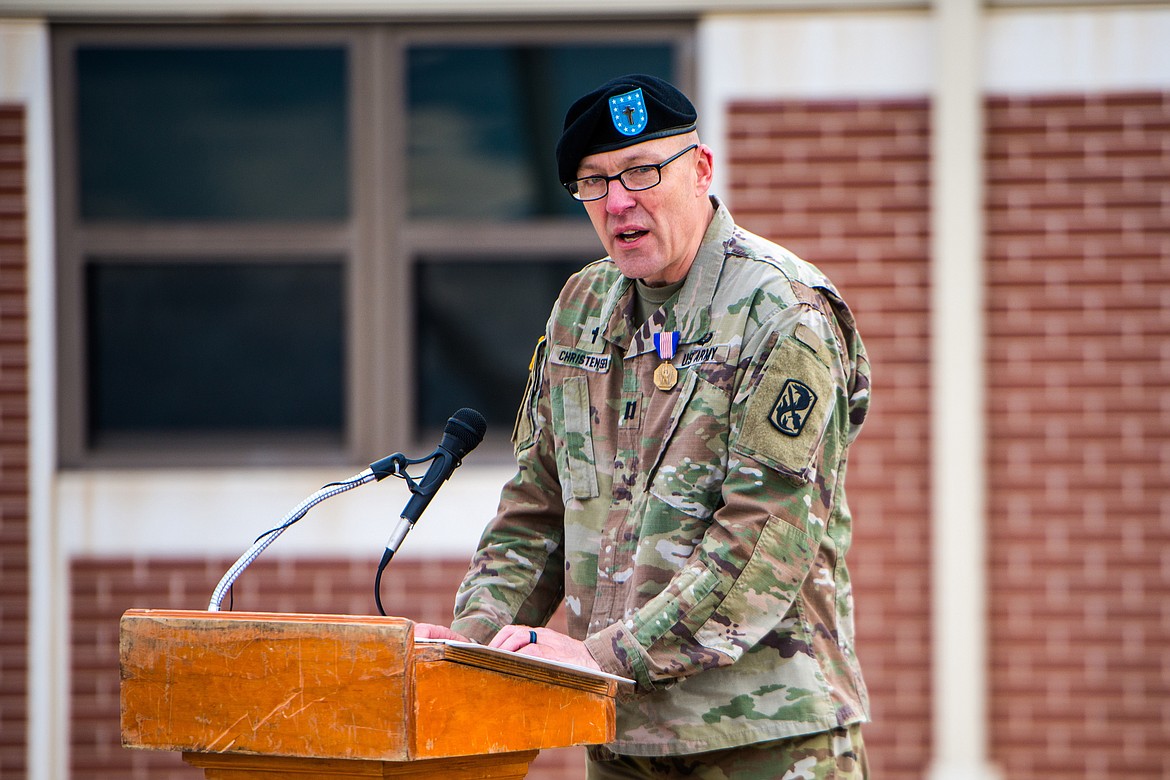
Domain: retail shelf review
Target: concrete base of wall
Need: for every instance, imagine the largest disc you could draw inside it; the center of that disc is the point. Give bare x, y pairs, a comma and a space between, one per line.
959, 770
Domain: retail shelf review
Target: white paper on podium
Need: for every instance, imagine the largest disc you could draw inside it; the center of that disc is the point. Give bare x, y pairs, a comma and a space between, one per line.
485, 650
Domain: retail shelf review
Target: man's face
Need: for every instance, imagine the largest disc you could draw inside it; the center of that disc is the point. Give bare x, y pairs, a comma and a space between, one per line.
653, 234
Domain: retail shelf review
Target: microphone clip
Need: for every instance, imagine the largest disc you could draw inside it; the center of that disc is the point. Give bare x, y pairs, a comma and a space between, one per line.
395, 466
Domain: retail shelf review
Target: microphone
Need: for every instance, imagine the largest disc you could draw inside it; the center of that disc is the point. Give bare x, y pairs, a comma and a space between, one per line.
463, 433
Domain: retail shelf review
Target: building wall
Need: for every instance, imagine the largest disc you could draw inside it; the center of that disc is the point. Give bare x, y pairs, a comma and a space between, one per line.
1078, 275
843, 183
1078, 271
14, 458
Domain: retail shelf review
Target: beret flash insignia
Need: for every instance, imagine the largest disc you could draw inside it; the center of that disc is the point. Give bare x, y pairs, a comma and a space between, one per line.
628, 112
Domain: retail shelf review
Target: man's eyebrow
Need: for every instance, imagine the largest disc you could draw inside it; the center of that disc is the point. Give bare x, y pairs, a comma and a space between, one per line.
641, 158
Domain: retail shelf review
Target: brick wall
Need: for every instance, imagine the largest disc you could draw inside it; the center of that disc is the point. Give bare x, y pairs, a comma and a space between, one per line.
104, 588
13, 446
844, 185
1079, 396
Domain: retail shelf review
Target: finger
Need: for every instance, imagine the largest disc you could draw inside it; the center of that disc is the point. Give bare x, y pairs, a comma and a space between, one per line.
538, 651
558, 647
501, 637
512, 638
431, 631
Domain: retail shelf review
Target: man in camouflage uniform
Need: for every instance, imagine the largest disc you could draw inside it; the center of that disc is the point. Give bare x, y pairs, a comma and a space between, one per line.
681, 487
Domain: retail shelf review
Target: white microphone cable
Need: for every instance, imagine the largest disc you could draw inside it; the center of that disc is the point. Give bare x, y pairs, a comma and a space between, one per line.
270, 536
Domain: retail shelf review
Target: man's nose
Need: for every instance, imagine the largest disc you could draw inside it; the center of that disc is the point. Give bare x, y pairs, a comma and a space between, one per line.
619, 198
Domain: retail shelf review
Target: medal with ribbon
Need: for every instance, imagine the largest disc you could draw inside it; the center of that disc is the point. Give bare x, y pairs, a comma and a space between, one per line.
665, 343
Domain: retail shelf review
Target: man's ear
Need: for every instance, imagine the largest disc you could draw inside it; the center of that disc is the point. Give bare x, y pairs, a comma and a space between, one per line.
704, 167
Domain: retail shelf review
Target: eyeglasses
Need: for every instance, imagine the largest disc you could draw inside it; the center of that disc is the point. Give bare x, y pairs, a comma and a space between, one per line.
640, 177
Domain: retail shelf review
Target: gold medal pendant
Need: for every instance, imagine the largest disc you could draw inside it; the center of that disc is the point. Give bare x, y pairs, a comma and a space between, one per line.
665, 376
665, 344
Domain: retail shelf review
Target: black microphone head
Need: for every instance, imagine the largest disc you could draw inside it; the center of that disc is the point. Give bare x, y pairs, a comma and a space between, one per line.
464, 431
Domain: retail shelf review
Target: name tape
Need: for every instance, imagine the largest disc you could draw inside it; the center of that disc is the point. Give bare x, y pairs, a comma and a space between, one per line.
567, 356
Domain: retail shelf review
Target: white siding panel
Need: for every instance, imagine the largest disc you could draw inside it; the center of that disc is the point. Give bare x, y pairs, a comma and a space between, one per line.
194, 513
1083, 50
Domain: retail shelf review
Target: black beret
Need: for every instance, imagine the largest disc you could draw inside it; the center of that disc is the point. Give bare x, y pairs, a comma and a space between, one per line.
625, 111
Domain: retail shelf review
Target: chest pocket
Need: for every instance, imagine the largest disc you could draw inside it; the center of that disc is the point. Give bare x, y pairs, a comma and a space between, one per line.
692, 463
573, 420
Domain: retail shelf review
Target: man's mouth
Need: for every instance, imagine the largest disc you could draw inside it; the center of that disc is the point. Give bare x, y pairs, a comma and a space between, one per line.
629, 236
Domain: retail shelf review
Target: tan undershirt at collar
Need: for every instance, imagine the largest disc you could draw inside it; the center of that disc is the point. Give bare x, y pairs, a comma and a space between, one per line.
647, 299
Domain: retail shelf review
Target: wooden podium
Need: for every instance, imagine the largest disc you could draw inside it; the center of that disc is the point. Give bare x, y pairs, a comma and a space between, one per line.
259, 696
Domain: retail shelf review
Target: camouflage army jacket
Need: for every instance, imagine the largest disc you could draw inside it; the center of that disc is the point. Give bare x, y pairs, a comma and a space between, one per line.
696, 535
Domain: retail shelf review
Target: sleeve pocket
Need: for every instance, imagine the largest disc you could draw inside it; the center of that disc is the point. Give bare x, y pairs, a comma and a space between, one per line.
763, 592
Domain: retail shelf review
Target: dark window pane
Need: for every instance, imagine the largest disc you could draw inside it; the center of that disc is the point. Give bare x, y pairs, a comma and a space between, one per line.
484, 123
212, 133
477, 325
215, 347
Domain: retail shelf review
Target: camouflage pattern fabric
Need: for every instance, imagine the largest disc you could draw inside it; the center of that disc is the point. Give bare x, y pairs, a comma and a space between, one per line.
696, 535
829, 755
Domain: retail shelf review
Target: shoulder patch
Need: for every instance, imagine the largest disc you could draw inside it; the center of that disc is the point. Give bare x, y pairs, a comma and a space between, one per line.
524, 429
786, 414
793, 407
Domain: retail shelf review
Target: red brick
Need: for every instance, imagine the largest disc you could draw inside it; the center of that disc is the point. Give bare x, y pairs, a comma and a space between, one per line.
1077, 293
13, 459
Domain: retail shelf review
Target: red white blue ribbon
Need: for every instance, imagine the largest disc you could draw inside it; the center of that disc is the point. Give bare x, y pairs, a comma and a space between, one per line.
666, 343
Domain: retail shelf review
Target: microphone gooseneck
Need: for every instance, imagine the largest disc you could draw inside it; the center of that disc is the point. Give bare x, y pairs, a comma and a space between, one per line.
270, 536
463, 433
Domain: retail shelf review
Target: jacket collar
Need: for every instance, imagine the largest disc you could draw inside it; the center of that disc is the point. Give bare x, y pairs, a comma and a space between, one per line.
690, 314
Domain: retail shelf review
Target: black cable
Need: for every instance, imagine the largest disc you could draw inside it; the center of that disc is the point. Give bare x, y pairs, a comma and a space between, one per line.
386, 556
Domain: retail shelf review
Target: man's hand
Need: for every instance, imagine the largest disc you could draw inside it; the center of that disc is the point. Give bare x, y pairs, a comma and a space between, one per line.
431, 631
551, 645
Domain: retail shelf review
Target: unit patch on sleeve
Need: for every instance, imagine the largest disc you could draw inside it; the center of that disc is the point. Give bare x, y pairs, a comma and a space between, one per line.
786, 413
524, 429
793, 407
